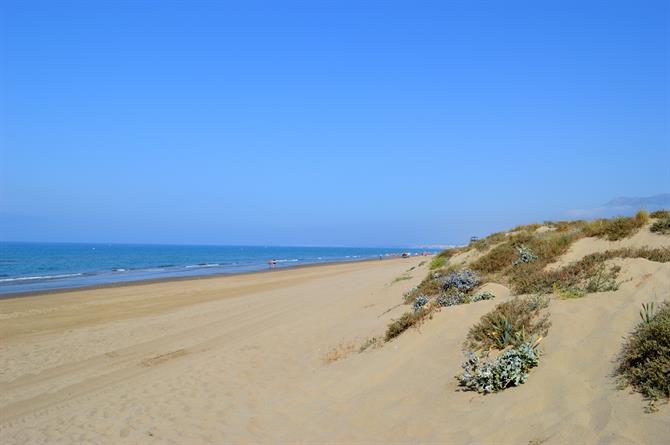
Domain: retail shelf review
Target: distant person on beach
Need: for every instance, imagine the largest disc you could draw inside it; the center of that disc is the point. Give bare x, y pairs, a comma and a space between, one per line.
380, 257
272, 263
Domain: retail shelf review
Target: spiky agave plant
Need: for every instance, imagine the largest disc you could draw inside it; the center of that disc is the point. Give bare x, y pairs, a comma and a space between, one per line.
503, 332
647, 312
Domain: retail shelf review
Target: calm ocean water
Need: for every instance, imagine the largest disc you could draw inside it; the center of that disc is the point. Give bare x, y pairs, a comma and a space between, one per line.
30, 267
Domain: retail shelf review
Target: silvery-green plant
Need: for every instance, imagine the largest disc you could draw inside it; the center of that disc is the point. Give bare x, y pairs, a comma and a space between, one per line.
508, 369
464, 280
482, 296
420, 302
525, 255
452, 300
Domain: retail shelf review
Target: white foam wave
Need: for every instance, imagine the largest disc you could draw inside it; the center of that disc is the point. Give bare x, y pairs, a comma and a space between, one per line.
40, 277
191, 266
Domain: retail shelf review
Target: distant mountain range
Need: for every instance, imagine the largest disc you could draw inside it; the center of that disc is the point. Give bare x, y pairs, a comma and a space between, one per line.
662, 200
623, 206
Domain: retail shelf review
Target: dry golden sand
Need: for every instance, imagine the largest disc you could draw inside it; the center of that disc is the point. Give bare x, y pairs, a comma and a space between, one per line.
245, 359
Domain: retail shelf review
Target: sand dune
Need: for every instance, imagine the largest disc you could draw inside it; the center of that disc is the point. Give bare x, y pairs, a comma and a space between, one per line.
245, 359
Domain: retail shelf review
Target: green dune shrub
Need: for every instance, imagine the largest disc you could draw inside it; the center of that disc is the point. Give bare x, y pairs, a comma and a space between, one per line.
496, 259
603, 279
406, 321
527, 227
438, 262
511, 323
661, 226
641, 218
660, 214
580, 273
644, 361
616, 228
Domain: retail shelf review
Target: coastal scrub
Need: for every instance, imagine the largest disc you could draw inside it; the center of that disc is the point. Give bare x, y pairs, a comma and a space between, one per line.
644, 361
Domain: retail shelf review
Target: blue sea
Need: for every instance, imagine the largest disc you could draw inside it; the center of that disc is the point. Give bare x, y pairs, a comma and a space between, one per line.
32, 267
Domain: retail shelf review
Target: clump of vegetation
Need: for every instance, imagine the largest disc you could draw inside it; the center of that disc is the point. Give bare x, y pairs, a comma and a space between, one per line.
531, 251
587, 270
373, 342
406, 321
497, 259
644, 362
514, 327
511, 323
616, 228
438, 262
527, 228
509, 369
484, 243
463, 280
496, 238
572, 276
447, 281
660, 214
487, 295
661, 226
642, 217
525, 255
567, 293
408, 297
449, 252
403, 277
451, 300
659, 255
479, 244
430, 285
420, 302
338, 352
647, 312
603, 280
567, 226
462, 298
519, 260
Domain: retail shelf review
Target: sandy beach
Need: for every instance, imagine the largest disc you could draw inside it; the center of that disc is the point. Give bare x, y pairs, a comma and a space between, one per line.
327, 222
274, 358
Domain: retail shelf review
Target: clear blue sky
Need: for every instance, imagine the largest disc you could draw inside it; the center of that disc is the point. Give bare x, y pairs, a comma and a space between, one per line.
325, 123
